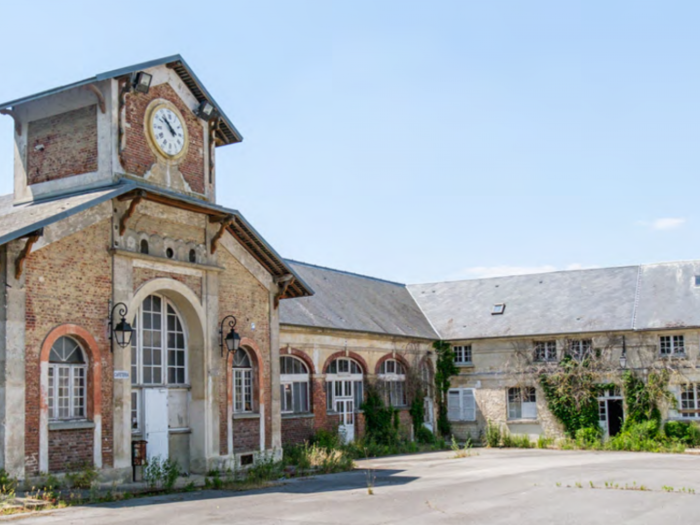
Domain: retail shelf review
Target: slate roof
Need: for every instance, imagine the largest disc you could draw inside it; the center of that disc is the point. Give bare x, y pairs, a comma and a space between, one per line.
227, 132
347, 301
640, 297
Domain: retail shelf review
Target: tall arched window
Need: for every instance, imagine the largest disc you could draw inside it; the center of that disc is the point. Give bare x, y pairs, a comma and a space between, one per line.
294, 385
392, 376
159, 355
242, 382
343, 381
67, 380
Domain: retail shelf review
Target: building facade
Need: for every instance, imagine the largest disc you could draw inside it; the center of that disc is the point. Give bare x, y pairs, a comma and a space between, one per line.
231, 350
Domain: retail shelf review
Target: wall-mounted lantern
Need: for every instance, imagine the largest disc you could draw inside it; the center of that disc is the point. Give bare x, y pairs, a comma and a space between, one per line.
122, 332
623, 355
206, 111
142, 82
232, 340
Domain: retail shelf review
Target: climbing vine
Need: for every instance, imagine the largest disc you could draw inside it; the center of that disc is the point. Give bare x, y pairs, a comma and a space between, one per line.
445, 369
642, 399
381, 421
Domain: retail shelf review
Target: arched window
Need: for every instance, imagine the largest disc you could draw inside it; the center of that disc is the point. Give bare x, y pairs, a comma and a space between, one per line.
392, 376
294, 385
242, 382
343, 381
144, 246
67, 380
159, 355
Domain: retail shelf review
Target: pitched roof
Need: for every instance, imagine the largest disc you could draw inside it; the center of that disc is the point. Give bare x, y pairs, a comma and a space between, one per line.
568, 302
347, 301
18, 221
227, 132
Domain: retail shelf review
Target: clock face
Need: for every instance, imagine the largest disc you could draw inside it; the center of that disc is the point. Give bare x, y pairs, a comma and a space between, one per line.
167, 131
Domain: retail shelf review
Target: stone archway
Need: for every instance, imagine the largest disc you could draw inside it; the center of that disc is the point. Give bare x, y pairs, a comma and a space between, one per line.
198, 338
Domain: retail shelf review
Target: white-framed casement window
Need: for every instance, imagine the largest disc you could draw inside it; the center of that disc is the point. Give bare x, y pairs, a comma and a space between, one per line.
392, 377
159, 352
344, 380
294, 385
672, 345
242, 382
545, 351
67, 380
579, 349
135, 410
461, 404
463, 354
522, 403
689, 402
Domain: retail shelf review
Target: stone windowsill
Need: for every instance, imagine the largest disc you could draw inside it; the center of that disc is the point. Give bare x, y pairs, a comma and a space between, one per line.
252, 415
71, 425
464, 365
179, 431
522, 421
148, 257
306, 415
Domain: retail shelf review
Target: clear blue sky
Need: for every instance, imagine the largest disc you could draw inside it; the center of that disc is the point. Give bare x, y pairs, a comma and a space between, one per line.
420, 141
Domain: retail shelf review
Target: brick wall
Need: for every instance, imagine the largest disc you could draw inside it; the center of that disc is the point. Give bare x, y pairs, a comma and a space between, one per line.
242, 295
69, 281
296, 430
62, 145
70, 449
246, 435
138, 157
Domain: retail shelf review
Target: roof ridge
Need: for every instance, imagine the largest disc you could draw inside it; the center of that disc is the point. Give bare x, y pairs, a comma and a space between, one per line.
353, 274
527, 274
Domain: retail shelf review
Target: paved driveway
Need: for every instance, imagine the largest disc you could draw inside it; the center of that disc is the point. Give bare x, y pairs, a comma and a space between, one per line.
519, 487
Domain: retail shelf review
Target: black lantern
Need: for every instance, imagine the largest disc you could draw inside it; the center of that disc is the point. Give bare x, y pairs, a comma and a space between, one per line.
142, 82
623, 356
122, 332
206, 111
232, 340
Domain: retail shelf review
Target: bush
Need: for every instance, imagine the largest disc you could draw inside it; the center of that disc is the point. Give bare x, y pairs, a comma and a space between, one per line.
84, 478
544, 442
684, 432
588, 437
8, 484
159, 473
638, 437
493, 435
424, 435
325, 439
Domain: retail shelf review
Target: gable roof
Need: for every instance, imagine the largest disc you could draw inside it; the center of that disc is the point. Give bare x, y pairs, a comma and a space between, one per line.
347, 301
18, 221
227, 133
639, 297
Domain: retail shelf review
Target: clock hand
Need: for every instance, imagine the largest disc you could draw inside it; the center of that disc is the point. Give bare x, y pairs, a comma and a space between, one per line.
172, 131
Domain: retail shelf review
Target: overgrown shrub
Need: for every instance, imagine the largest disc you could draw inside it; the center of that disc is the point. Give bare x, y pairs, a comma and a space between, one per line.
161, 474
8, 484
544, 441
381, 421
493, 435
638, 437
326, 439
83, 478
588, 437
642, 398
684, 432
445, 369
424, 435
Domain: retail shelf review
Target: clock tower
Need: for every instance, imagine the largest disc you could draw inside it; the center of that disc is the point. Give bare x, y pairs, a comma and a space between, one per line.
153, 123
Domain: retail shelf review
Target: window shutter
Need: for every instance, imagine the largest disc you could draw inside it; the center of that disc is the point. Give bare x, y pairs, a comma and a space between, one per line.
453, 405
468, 405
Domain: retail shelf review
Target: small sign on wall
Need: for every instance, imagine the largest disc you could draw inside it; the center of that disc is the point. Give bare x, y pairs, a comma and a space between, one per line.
121, 374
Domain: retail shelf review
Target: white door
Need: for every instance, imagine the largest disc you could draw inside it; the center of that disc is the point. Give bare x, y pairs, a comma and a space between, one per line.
346, 409
428, 412
156, 422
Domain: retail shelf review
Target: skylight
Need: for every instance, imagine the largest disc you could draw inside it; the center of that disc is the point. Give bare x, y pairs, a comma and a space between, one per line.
498, 309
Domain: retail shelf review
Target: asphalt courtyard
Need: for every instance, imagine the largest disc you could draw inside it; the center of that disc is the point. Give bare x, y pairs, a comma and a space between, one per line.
520, 487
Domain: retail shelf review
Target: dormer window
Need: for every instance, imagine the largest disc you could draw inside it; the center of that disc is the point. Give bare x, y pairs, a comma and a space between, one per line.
498, 309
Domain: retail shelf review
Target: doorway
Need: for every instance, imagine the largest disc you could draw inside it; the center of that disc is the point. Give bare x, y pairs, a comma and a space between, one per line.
611, 412
346, 408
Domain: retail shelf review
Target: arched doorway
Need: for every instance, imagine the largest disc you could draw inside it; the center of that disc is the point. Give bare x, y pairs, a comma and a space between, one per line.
168, 374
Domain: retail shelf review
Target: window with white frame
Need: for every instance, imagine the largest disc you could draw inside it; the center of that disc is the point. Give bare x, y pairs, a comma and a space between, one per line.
344, 380
545, 350
135, 411
67, 380
522, 403
461, 404
689, 402
463, 354
242, 382
159, 352
580, 349
670, 345
294, 385
392, 376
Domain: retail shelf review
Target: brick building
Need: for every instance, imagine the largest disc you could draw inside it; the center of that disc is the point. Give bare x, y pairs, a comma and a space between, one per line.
114, 220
